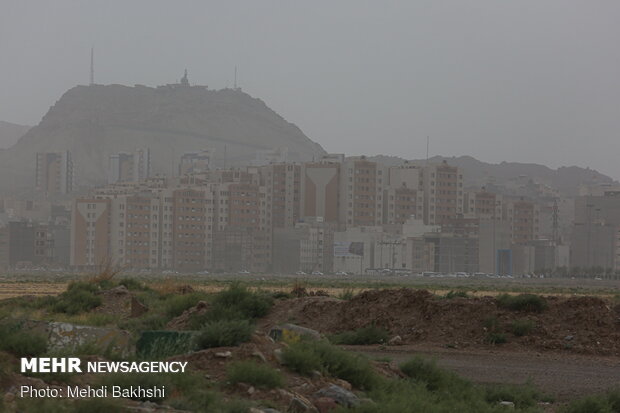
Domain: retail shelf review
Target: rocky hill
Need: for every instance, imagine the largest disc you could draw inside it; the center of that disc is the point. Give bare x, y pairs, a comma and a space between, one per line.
10, 133
566, 179
95, 121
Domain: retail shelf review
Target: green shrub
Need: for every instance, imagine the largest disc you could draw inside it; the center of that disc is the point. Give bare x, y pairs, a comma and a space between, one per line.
259, 375
239, 302
149, 321
605, 403
306, 356
133, 285
495, 337
224, 333
454, 294
20, 342
346, 294
302, 359
79, 297
164, 347
522, 302
523, 396
175, 305
426, 371
522, 327
365, 335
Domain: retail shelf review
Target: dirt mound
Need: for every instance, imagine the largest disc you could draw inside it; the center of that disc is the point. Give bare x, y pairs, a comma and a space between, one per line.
182, 322
120, 301
586, 325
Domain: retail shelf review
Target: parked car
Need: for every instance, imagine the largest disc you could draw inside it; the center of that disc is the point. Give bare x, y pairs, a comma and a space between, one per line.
317, 273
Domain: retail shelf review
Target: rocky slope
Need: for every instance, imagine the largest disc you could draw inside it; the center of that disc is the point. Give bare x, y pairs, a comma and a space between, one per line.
95, 121
10, 133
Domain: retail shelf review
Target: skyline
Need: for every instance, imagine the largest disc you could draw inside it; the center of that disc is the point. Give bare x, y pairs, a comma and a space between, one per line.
377, 79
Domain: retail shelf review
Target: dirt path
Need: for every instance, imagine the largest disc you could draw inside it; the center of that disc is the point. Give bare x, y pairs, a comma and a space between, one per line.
565, 376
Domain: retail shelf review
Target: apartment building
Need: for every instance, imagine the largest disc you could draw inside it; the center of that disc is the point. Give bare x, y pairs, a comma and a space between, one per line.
91, 232
129, 167
54, 173
443, 193
282, 183
362, 185
523, 217
404, 196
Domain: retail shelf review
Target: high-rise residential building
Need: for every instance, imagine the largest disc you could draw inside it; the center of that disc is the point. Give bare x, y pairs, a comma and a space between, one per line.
595, 241
522, 215
129, 167
362, 183
320, 189
196, 162
283, 187
269, 156
91, 232
443, 193
54, 172
404, 196
483, 205
120, 168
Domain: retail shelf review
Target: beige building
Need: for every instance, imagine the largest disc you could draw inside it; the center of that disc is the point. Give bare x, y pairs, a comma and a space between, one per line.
54, 172
362, 183
443, 193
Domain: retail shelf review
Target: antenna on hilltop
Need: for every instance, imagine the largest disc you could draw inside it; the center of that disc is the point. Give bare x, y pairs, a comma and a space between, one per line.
427, 142
92, 66
235, 78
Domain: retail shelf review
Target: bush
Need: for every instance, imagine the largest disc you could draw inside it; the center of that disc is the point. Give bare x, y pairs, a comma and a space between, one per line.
306, 356
132, 284
522, 302
259, 375
96, 406
239, 302
605, 403
79, 297
20, 342
523, 396
346, 294
495, 337
426, 371
224, 333
365, 335
175, 305
454, 294
522, 327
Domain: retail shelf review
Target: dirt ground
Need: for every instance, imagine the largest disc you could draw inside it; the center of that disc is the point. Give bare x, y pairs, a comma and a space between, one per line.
565, 376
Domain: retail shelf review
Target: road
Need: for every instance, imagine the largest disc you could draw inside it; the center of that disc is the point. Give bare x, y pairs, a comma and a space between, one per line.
565, 376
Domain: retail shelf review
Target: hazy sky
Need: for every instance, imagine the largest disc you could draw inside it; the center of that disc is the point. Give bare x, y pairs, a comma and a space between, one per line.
517, 80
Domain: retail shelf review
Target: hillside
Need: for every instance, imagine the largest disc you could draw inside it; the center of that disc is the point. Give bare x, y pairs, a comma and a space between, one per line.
10, 133
478, 173
95, 121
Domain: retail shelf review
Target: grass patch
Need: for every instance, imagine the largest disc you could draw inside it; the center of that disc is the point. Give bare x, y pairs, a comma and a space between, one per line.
365, 335
522, 327
224, 333
307, 356
605, 403
426, 372
346, 294
523, 396
259, 375
522, 302
80, 297
456, 294
495, 337
175, 305
21, 342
